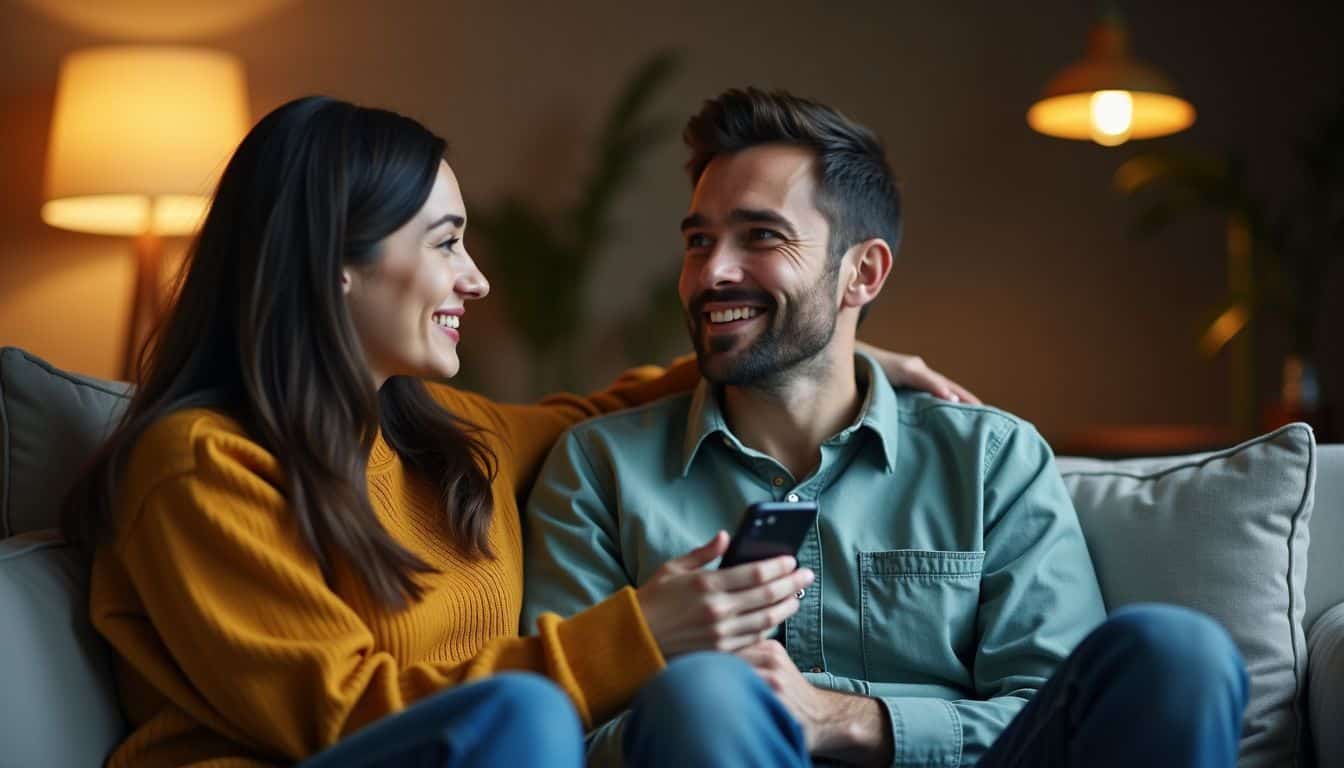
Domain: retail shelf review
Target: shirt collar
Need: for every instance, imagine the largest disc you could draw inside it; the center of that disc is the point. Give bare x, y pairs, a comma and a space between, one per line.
879, 414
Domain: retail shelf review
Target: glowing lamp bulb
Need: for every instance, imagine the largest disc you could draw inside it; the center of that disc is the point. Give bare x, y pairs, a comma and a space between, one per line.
1112, 117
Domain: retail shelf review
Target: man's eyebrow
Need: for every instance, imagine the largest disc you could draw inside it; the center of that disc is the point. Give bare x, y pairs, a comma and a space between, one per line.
448, 218
692, 221
762, 216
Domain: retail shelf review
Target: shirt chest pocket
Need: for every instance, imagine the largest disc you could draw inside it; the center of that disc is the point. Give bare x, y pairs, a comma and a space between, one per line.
918, 614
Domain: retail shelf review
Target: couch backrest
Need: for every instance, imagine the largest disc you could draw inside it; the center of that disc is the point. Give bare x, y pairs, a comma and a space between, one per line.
1325, 559
51, 422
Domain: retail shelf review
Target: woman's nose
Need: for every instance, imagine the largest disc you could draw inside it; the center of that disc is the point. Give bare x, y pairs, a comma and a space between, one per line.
471, 284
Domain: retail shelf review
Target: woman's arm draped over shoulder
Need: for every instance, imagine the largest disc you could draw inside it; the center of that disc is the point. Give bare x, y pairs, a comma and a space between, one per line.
528, 431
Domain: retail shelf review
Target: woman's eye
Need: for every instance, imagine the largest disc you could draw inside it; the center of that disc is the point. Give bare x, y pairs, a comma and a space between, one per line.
449, 244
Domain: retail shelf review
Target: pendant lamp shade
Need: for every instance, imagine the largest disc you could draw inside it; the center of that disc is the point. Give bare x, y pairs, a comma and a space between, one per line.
1109, 96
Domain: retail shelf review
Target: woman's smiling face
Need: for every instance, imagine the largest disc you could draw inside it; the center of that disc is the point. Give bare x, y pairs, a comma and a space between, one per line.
408, 306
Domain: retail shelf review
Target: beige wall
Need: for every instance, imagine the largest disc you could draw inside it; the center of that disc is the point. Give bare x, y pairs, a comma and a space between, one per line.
1016, 275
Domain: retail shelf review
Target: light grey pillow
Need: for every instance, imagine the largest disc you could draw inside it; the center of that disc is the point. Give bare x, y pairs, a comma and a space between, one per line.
1224, 533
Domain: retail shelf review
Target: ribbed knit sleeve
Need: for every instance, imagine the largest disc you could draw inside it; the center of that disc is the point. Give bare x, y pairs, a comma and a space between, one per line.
210, 597
529, 431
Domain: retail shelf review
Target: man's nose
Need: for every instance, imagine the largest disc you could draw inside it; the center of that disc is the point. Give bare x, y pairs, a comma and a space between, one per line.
722, 267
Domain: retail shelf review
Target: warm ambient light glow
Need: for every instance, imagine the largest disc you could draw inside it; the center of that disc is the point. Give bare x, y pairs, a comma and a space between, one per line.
139, 135
1109, 97
1223, 329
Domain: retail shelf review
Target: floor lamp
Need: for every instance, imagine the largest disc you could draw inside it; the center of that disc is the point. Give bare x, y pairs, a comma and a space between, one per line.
138, 136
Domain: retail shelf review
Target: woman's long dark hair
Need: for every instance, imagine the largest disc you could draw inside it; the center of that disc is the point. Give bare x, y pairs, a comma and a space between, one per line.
260, 331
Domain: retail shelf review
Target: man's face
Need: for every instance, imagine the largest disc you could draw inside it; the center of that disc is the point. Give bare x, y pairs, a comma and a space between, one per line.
758, 290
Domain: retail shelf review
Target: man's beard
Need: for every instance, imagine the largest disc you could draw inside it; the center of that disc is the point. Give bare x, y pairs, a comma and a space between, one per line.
788, 340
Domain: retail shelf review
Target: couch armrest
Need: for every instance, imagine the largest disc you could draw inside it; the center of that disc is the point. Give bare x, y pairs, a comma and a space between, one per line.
1325, 685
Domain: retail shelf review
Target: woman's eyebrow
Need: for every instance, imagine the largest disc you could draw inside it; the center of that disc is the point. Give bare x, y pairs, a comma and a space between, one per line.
453, 218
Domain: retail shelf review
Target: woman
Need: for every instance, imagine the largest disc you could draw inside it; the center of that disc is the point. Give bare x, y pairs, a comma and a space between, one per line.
297, 536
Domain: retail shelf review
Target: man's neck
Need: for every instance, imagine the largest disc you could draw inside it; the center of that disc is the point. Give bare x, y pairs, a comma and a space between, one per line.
791, 418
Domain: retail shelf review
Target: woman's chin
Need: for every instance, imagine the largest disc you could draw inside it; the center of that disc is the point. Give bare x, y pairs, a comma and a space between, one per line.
445, 369
438, 366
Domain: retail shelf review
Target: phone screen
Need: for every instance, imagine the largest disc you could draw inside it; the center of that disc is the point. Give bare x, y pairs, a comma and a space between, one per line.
770, 529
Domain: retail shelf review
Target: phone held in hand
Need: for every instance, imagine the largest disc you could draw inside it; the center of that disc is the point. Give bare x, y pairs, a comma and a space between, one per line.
770, 529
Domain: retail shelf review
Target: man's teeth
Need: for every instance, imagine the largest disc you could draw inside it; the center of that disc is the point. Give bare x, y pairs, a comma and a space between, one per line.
448, 321
737, 313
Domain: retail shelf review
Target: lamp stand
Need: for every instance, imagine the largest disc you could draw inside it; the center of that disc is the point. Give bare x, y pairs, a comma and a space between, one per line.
145, 301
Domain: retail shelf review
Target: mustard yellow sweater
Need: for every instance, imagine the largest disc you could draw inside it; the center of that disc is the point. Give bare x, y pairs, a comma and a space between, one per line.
230, 649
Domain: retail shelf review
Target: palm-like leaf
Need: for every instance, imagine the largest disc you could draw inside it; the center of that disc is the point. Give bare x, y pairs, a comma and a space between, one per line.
543, 260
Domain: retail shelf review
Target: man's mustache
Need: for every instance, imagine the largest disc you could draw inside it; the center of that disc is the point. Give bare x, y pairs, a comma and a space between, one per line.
729, 296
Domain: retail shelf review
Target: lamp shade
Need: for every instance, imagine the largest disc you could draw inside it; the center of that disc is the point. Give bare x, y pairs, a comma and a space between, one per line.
138, 137
1110, 97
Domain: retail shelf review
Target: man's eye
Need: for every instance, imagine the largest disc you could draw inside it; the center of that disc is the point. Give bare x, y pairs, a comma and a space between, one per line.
449, 244
760, 234
697, 240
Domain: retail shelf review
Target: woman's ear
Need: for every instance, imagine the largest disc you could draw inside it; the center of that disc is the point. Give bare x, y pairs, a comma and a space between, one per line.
869, 265
345, 282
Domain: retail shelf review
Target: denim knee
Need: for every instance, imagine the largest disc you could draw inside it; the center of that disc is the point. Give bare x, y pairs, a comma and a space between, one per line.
711, 709
704, 680
1179, 647
535, 709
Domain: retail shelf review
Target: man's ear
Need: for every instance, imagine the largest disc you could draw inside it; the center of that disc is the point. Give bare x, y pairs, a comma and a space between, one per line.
865, 270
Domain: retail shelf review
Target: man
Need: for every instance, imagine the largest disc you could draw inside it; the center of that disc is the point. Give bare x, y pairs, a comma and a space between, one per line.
952, 579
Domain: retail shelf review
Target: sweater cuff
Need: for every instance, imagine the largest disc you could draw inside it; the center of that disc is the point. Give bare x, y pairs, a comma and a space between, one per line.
925, 731
610, 652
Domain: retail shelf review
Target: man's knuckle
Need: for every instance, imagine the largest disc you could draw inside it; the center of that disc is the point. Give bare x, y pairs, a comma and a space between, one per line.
716, 611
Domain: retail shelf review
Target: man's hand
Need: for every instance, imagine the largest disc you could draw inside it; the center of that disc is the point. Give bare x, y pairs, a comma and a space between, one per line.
912, 371
837, 726
690, 609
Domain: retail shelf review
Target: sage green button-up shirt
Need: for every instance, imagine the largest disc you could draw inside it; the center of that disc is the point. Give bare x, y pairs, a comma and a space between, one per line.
952, 576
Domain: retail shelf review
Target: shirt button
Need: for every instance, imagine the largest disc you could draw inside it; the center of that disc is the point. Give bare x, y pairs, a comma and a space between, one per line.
815, 669
791, 496
800, 594
778, 481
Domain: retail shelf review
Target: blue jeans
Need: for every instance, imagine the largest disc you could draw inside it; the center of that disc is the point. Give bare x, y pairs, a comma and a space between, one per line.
1155, 685
510, 719
711, 709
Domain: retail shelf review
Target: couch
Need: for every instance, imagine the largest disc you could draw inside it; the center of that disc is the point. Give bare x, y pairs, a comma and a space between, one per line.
1252, 535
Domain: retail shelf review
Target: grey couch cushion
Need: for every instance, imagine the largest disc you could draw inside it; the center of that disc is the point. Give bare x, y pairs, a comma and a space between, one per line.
59, 702
1224, 533
1325, 582
1326, 686
50, 424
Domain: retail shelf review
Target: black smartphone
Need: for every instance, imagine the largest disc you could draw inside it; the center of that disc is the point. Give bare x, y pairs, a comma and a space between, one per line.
770, 529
